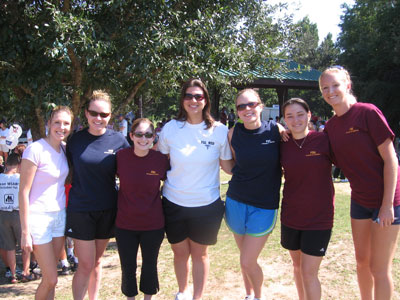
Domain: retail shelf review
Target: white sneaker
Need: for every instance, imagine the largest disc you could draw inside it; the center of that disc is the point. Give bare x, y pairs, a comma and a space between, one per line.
249, 297
183, 296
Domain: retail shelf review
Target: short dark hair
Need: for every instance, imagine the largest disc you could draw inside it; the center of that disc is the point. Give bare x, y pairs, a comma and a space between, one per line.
14, 159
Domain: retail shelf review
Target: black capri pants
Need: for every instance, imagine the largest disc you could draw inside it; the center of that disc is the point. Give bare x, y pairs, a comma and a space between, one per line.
128, 242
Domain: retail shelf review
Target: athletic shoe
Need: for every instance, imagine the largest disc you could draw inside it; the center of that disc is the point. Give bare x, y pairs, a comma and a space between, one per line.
65, 270
249, 297
8, 273
74, 267
183, 296
71, 259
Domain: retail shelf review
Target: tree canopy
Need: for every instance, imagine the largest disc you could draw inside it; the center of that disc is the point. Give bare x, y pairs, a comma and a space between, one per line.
56, 51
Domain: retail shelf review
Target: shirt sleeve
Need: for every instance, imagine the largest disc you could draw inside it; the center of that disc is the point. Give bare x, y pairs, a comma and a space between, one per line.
32, 153
225, 153
378, 127
162, 143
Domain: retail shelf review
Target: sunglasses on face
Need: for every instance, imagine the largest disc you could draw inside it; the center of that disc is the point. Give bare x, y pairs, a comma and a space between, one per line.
147, 135
95, 113
243, 106
198, 97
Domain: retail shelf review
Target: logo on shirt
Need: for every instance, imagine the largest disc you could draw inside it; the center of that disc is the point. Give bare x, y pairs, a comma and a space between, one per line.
313, 153
8, 199
207, 144
152, 173
322, 250
351, 130
267, 142
109, 151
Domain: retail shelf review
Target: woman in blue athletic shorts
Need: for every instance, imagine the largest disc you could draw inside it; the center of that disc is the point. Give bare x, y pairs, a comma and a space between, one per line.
193, 209
92, 203
253, 195
306, 235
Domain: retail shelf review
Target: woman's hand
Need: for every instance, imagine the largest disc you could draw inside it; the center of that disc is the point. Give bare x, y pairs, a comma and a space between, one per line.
26, 242
283, 132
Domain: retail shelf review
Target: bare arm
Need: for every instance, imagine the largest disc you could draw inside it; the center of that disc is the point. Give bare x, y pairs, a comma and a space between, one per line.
390, 166
227, 165
28, 170
283, 132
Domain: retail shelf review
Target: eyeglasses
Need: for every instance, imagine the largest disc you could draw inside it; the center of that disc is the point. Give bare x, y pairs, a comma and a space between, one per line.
95, 113
198, 97
243, 106
147, 135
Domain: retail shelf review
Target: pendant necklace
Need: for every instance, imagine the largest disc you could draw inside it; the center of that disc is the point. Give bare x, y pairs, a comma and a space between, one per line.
302, 143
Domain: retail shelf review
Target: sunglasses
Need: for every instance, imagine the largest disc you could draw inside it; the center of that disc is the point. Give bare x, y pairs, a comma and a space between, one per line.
243, 106
147, 135
198, 97
95, 113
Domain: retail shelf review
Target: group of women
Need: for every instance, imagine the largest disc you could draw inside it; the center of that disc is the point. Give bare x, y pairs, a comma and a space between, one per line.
191, 150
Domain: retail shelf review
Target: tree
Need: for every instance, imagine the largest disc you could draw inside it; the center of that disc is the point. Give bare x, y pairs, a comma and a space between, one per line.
60, 51
370, 44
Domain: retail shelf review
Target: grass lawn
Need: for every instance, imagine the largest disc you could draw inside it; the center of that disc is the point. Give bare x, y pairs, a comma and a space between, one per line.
337, 273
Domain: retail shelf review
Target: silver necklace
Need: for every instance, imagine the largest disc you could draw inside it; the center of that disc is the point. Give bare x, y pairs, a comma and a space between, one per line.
302, 143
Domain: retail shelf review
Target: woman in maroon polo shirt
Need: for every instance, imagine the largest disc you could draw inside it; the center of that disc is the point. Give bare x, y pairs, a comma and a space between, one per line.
362, 143
306, 235
140, 219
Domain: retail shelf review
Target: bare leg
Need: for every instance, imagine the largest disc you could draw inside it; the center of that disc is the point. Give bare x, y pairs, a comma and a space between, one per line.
247, 284
95, 276
11, 261
383, 247
200, 269
249, 252
47, 256
361, 231
309, 272
181, 264
298, 279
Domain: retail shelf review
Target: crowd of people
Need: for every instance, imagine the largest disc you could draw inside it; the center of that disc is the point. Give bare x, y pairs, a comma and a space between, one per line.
190, 150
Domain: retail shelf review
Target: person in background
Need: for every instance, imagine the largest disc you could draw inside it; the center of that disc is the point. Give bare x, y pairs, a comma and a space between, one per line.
307, 234
92, 203
252, 200
123, 125
197, 146
362, 143
140, 218
3, 135
231, 118
44, 168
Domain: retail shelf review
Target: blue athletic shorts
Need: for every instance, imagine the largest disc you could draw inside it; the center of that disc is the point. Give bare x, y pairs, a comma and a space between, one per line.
243, 219
360, 212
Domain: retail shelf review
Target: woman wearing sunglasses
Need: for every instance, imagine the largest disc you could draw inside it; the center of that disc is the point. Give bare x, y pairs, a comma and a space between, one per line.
140, 218
362, 143
92, 201
252, 198
193, 209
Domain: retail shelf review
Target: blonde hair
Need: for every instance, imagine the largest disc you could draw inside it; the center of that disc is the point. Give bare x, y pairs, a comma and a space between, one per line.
59, 108
251, 91
99, 95
339, 69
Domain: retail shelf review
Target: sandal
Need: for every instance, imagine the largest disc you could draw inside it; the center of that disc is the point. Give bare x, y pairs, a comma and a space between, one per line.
13, 279
27, 278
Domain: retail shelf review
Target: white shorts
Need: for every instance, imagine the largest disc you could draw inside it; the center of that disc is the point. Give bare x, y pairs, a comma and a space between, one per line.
4, 148
45, 226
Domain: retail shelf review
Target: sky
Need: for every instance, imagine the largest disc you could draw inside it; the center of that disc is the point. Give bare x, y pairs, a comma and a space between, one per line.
325, 13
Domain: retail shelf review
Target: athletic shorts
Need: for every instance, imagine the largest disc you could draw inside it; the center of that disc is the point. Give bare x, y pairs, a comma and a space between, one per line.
311, 242
44, 226
243, 219
91, 225
4, 148
200, 224
360, 212
10, 230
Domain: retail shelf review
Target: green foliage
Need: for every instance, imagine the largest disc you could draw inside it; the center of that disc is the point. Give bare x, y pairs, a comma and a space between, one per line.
370, 42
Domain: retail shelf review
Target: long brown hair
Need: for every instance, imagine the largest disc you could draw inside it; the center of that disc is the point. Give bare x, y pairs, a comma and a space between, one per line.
206, 113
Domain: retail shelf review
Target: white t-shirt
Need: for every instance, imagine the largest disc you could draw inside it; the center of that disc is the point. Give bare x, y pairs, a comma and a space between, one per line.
3, 133
9, 187
47, 192
194, 156
124, 130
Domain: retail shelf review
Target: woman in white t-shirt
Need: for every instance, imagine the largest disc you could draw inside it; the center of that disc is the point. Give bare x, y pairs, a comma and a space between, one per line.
3, 135
44, 169
193, 209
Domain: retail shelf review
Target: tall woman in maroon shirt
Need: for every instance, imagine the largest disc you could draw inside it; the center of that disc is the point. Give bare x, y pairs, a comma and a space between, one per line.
362, 144
308, 189
140, 219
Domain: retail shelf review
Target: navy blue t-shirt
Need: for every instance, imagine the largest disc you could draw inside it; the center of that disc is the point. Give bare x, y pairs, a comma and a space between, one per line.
257, 173
94, 166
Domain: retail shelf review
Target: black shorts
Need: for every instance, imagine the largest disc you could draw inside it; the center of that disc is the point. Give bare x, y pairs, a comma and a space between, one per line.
200, 224
311, 242
360, 212
91, 225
